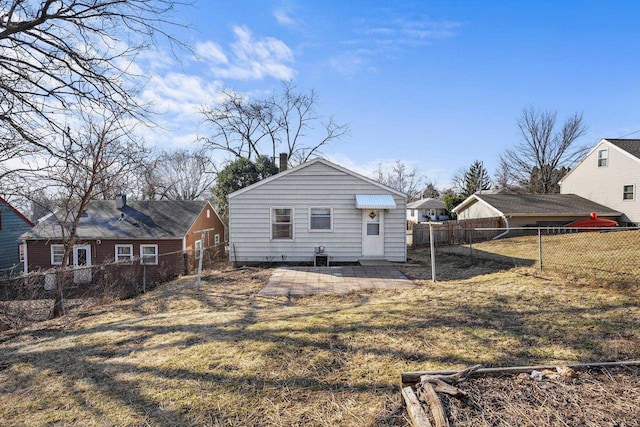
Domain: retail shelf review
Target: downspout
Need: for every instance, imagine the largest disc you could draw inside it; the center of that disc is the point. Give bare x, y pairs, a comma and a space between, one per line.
506, 221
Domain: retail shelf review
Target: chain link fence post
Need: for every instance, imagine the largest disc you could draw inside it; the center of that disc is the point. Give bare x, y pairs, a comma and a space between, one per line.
540, 247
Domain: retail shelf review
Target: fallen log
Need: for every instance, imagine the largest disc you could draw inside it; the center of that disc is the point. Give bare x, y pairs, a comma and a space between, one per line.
414, 377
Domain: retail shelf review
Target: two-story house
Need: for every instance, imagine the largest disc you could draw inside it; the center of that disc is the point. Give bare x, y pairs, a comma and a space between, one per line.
609, 175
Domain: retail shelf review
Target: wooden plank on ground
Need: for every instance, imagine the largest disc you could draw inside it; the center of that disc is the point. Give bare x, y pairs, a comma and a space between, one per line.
417, 415
427, 394
414, 377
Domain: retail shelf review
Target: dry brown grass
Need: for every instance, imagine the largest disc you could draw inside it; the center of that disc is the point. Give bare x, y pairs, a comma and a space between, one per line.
225, 356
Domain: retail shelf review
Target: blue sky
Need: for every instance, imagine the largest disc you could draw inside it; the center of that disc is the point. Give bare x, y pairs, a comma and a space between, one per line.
436, 84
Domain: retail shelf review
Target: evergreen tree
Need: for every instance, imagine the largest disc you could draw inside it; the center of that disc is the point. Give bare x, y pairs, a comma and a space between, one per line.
476, 178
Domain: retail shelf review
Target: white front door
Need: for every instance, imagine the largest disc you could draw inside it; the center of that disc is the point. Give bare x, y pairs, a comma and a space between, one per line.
372, 233
82, 263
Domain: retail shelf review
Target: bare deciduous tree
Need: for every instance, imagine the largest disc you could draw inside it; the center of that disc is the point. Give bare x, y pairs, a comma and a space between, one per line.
179, 175
250, 128
400, 177
91, 162
539, 161
57, 55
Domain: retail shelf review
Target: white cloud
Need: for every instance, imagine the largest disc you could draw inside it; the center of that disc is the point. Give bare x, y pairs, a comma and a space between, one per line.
254, 59
285, 19
212, 52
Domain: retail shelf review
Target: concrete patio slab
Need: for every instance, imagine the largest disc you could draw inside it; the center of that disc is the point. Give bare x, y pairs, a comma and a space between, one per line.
325, 280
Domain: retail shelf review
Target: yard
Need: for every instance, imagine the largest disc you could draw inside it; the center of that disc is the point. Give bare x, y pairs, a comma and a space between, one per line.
226, 356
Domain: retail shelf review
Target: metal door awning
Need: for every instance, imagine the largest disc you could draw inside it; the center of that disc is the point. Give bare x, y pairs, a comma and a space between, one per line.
375, 201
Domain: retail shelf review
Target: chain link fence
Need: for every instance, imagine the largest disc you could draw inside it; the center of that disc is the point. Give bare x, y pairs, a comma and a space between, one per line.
30, 297
607, 255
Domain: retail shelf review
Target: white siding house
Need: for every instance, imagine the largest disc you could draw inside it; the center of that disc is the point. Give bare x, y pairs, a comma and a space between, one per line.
609, 174
426, 210
289, 216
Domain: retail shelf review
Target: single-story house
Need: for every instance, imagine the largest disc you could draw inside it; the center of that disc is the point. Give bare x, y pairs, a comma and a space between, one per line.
12, 225
317, 212
164, 235
531, 210
428, 209
610, 175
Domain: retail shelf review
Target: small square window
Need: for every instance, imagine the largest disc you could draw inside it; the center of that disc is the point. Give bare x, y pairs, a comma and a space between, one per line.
603, 156
628, 192
320, 219
124, 253
57, 253
149, 254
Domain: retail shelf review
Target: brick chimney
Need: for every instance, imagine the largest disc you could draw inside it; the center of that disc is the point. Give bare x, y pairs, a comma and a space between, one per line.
121, 201
283, 161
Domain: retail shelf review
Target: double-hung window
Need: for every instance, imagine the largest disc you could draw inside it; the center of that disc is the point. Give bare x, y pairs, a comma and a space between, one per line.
603, 157
57, 253
124, 253
197, 248
282, 223
628, 192
149, 254
320, 219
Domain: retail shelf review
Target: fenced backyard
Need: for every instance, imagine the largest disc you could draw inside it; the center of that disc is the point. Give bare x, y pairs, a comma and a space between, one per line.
610, 255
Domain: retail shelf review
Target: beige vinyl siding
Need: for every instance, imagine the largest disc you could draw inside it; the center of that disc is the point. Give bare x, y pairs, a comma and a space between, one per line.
476, 210
605, 184
312, 186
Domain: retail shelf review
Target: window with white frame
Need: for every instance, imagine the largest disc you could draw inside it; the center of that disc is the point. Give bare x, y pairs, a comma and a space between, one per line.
282, 223
124, 253
57, 253
21, 251
628, 192
216, 239
320, 219
603, 156
197, 246
149, 254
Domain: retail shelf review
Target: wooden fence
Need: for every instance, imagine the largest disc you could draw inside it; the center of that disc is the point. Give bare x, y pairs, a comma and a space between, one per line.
456, 232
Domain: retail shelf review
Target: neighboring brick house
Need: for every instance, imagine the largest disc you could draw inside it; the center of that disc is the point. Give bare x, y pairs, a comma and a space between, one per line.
12, 225
164, 235
609, 174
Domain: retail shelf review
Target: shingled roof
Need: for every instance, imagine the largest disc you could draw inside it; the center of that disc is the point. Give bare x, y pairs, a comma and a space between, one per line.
428, 203
158, 220
540, 205
631, 146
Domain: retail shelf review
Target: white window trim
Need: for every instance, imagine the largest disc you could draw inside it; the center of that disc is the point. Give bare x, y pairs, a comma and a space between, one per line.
142, 256
130, 253
197, 249
272, 210
605, 157
52, 259
216, 239
330, 229
633, 193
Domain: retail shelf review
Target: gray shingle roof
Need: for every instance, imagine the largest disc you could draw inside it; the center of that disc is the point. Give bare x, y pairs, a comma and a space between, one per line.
631, 146
158, 219
428, 203
545, 205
